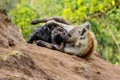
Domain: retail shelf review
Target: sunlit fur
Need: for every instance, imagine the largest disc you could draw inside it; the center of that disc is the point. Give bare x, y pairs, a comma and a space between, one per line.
82, 42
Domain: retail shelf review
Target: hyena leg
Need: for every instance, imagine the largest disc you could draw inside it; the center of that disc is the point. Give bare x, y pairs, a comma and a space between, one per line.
32, 38
39, 21
55, 24
45, 44
60, 47
50, 46
58, 19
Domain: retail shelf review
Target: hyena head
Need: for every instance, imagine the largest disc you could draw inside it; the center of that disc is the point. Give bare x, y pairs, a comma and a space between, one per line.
86, 39
82, 34
60, 35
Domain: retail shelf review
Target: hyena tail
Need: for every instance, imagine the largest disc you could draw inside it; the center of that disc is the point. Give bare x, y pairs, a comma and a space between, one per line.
39, 21
56, 18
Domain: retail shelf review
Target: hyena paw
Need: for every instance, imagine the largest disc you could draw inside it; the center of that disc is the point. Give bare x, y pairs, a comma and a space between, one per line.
57, 47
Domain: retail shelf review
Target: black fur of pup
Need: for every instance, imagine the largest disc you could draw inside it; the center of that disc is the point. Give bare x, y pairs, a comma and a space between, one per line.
50, 33
41, 33
54, 35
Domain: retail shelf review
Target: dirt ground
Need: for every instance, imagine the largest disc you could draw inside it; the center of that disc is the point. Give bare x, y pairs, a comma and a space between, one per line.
22, 61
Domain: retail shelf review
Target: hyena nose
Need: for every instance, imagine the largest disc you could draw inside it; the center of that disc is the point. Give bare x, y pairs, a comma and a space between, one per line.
78, 44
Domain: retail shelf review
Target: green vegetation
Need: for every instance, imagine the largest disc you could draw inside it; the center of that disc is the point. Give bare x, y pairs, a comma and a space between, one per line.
22, 15
103, 15
8, 4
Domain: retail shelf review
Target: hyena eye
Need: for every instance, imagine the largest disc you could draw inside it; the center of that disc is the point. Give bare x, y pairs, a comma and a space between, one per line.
82, 38
83, 31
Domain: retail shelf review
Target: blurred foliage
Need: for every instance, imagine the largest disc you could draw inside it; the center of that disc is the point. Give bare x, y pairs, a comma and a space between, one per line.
103, 15
7, 5
22, 16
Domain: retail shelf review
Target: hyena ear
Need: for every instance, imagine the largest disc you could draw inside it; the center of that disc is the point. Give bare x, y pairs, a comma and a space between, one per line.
83, 31
87, 25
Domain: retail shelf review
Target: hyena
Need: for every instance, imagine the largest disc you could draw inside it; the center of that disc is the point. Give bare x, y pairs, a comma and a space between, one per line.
49, 33
81, 43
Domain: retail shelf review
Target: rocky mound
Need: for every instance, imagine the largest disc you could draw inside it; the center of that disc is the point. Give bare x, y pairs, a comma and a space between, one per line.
22, 61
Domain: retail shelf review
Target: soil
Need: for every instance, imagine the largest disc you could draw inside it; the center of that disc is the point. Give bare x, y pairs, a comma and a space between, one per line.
22, 61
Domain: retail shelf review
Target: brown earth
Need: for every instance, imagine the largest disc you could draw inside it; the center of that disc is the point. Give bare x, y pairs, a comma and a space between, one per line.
22, 61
